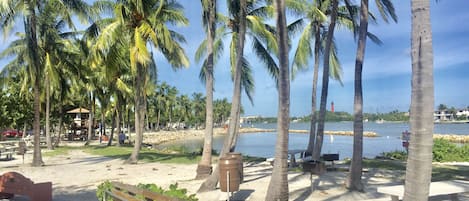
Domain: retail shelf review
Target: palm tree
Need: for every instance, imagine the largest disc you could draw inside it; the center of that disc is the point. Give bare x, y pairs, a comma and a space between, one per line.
141, 21
204, 168
212, 181
315, 29
325, 80
278, 186
10, 10
354, 181
419, 162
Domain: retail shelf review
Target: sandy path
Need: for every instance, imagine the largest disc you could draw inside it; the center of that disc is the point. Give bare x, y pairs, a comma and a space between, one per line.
76, 176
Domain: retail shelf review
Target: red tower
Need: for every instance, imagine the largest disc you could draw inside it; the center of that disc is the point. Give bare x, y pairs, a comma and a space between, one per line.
332, 106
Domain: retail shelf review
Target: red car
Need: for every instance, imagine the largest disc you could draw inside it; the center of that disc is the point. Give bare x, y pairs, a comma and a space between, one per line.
12, 133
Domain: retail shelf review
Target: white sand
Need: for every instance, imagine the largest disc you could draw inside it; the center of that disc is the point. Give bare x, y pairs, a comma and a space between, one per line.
76, 176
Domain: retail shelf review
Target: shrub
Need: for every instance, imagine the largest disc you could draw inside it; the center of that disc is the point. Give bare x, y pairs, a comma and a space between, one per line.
173, 191
395, 155
445, 151
102, 188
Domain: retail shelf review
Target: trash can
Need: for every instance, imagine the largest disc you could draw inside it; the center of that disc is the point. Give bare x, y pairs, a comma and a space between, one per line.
229, 174
238, 157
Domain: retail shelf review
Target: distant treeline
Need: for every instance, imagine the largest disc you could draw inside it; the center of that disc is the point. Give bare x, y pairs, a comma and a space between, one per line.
343, 116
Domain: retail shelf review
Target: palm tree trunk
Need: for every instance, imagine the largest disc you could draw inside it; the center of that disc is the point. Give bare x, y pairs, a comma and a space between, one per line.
57, 140
312, 130
47, 131
419, 162
103, 121
30, 29
90, 119
278, 186
119, 115
113, 126
354, 180
228, 146
139, 113
204, 168
325, 83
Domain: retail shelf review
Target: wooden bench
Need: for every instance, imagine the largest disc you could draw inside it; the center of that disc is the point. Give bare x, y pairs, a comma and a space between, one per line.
451, 188
12, 183
126, 192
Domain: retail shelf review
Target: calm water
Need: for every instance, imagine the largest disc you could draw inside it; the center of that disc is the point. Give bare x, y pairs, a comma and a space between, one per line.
263, 144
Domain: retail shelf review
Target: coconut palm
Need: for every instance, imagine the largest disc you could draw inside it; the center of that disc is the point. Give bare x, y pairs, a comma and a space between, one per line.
316, 15
10, 11
278, 186
204, 168
246, 19
419, 162
141, 21
325, 79
386, 8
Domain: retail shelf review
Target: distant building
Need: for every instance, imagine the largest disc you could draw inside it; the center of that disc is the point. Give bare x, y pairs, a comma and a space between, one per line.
443, 115
447, 115
462, 112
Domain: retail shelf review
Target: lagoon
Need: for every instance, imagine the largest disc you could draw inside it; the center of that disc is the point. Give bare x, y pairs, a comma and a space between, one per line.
263, 144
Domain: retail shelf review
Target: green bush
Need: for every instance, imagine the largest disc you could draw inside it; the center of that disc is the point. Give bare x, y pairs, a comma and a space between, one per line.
395, 155
102, 188
445, 151
173, 191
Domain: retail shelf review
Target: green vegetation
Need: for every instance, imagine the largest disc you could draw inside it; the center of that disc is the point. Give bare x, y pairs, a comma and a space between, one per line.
443, 151
390, 116
147, 155
173, 191
101, 190
59, 151
395, 155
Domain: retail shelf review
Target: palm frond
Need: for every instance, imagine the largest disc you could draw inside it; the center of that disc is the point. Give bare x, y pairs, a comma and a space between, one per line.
386, 9
304, 51
264, 55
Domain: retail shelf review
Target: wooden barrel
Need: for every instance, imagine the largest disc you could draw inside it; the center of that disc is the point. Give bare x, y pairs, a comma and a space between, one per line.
238, 157
229, 174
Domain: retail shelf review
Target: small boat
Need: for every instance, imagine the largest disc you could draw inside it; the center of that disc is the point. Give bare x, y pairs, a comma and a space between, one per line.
379, 121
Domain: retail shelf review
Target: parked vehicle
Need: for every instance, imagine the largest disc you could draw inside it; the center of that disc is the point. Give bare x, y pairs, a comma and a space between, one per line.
12, 133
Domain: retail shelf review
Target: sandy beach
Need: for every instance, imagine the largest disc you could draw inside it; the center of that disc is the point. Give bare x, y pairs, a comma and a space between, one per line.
76, 176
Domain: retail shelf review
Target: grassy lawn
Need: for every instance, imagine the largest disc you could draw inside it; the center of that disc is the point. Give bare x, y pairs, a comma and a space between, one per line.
178, 155
440, 172
147, 155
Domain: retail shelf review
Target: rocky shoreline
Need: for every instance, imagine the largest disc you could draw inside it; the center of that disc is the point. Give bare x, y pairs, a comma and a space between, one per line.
168, 136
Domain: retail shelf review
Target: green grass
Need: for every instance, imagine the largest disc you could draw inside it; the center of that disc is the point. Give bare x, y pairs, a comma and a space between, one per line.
146, 155
58, 151
449, 172
383, 164
439, 172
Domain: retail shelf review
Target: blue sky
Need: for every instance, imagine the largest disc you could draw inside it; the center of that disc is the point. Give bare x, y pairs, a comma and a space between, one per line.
386, 73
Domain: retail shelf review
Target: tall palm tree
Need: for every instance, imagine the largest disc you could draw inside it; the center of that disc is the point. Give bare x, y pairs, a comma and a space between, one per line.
278, 186
10, 11
419, 163
354, 179
212, 181
325, 80
141, 21
204, 168
315, 13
